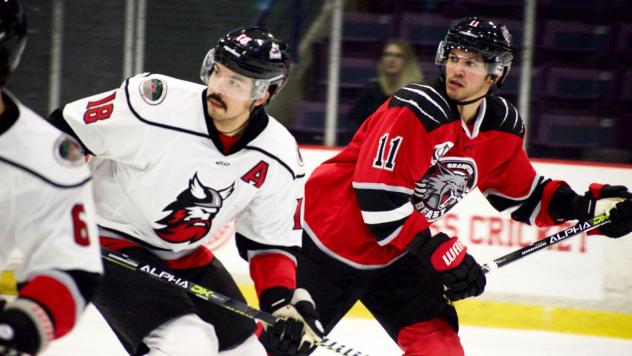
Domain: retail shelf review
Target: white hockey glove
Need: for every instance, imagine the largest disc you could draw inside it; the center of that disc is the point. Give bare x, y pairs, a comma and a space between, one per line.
24, 328
297, 330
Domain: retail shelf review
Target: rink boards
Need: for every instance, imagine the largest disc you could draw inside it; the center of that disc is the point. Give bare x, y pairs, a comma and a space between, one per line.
580, 286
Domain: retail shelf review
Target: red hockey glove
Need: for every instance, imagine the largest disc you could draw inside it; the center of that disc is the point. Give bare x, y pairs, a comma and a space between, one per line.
615, 200
297, 330
24, 327
448, 257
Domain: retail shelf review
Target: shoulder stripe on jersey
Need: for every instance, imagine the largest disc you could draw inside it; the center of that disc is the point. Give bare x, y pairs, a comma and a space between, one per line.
429, 99
416, 106
378, 217
294, 175
129, 104
430, 88
503, 116
54, 184
515, 116
506, 111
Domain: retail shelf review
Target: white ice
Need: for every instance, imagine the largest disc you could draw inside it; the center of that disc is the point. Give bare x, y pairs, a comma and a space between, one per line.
94, 338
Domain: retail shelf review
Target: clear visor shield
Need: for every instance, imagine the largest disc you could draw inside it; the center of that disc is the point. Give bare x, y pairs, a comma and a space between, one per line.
451, 55
221, 80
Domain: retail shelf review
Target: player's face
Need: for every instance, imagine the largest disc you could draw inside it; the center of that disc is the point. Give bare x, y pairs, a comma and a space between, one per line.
393, 59
228, 94
466, 76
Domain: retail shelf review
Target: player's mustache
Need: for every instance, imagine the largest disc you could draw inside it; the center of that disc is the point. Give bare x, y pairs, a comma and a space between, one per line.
217, 98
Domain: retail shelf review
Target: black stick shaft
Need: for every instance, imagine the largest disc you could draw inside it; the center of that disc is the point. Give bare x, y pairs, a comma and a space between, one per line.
199, 291
550, 240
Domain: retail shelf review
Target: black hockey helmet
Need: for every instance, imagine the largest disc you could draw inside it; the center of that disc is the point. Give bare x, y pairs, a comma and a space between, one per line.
491, 40
252, 52
12, 37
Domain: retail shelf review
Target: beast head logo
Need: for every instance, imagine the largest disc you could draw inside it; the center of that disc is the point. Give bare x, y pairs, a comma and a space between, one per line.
191, 216
443, 186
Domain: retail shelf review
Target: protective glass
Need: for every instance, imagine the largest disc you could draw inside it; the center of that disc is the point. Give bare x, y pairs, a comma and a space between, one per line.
487, 63
230, 83
470, 64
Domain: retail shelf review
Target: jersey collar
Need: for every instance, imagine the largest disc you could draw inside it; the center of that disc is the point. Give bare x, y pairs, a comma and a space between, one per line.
257, 122
477, 122
10, 114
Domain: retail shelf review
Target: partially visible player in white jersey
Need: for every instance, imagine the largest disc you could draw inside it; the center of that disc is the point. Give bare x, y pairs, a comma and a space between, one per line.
173, 162
47, 214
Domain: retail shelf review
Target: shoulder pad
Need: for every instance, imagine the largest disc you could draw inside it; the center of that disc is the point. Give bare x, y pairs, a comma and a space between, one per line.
153, 89
42, 151
501, 115
278, 143
159, 99
428, 105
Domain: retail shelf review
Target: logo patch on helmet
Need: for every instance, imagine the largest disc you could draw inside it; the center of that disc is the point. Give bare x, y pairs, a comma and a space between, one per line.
506, 34
232, 51
153, 91
68, 152
275, 52
243, 39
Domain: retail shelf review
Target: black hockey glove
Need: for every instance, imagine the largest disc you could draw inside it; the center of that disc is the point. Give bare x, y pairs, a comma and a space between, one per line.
448, 258
297, 330
615, 200
23, 325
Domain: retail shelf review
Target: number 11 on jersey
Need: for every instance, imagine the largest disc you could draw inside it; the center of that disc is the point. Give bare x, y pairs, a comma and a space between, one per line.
385, 156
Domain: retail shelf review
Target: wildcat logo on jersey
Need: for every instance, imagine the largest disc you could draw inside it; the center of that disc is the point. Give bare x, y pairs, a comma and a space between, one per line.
443, 186
191, 215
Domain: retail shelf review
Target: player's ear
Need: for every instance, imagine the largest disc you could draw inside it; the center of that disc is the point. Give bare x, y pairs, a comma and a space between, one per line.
262, 100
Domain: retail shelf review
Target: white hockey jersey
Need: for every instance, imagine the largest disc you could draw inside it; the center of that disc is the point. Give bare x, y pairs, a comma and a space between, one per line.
161, 177
47, 206
48, 216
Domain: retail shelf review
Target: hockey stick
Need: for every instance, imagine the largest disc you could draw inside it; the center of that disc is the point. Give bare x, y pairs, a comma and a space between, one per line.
223, 301
583, 226
8, 351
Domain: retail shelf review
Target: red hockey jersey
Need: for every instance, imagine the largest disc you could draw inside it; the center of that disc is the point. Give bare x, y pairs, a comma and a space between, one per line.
408, 164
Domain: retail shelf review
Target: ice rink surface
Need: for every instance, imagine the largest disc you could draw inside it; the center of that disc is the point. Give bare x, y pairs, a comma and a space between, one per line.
92, 337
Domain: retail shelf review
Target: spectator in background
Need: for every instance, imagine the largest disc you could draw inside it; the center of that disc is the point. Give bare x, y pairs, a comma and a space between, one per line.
397, 67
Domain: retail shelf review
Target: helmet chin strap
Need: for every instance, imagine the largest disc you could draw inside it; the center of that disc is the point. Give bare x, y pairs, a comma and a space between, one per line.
470, 101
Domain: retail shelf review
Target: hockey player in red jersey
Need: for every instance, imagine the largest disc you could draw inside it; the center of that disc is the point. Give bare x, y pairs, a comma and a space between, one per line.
173, 162
47, 221
368, 209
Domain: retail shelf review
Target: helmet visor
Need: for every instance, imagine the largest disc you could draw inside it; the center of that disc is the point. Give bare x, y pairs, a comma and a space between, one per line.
229, 83
474, 60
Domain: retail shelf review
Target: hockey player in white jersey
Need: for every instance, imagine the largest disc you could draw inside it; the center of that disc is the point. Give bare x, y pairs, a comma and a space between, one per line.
47, 214
173, 162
